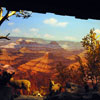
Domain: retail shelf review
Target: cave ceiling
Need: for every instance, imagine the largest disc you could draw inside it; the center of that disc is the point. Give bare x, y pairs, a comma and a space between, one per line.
79, 9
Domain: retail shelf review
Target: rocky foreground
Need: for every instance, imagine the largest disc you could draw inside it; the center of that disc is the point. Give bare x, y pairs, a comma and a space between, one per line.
30, 97
62, 96
68, 96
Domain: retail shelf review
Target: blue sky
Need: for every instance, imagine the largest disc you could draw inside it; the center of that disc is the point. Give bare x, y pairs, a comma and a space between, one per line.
49, 26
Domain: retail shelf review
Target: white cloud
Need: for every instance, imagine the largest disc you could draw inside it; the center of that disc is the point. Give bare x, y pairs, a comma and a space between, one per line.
36, 34
97, 31
55, 22
48, 36
34, 30
16, 30
11, 23
70, 38
51, 21
62, 24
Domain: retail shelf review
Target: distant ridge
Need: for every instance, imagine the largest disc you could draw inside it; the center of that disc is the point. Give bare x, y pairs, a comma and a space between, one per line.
71, 45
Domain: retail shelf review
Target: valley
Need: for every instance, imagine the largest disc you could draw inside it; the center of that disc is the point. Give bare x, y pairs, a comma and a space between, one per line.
36, 60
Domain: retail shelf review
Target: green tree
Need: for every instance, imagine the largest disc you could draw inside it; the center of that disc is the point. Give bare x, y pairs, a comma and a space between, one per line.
83, 71
91, 43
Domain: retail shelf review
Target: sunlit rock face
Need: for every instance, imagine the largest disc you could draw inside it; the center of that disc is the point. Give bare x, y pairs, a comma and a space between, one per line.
8, 68
44, 63
41, 69
11, 45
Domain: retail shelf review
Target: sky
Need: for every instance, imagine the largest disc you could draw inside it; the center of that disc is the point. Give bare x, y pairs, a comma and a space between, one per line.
49, 26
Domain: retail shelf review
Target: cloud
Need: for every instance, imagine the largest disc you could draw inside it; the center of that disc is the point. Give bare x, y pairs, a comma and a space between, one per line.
11, 23
16, 30
34, 30
48, 36
70, 38
97, 31
36, 34
55, 22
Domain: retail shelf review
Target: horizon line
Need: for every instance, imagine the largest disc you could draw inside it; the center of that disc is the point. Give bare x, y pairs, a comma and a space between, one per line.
42, 39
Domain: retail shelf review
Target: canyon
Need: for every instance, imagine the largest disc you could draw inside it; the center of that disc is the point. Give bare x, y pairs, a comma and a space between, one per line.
37, 59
